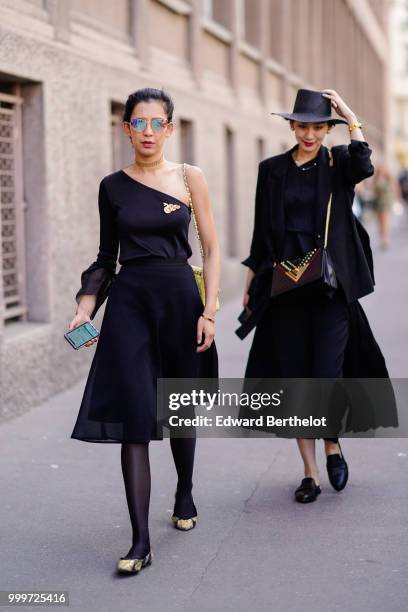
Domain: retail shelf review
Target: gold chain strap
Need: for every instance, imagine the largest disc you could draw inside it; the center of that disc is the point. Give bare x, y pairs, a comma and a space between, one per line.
192, 210
198, 271
327, 221
326, 231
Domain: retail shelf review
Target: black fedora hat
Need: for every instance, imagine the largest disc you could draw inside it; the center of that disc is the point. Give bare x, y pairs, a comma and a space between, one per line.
311, 107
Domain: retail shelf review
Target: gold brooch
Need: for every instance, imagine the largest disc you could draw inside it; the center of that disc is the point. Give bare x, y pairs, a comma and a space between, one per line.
168, 208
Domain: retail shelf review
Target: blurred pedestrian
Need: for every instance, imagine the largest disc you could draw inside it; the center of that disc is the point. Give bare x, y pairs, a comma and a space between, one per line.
384, 197
403, 184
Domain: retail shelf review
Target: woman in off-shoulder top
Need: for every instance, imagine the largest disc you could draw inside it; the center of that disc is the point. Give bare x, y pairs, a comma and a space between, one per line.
155, 324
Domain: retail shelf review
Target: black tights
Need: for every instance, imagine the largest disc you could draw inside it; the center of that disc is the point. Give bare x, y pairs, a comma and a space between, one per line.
137, 480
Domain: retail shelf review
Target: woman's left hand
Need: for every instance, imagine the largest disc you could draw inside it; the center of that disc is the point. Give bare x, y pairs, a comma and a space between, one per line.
338, 104
206, 328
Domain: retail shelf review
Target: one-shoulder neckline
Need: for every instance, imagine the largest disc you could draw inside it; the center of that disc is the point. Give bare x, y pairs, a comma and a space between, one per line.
162, 193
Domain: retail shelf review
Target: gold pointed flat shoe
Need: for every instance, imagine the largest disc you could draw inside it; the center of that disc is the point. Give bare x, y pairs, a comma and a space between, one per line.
184, 524
133, 566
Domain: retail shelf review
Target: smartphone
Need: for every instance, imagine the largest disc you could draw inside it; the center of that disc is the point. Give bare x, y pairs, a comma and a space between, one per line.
81, 335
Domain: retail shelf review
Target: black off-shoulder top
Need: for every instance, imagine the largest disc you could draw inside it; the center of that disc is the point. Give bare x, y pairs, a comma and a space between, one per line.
132, 219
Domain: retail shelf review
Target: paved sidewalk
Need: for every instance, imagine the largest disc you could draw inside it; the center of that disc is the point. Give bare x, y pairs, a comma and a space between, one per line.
65, 523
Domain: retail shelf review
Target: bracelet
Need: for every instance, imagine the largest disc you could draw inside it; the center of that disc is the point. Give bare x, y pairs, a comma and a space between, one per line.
207, 317
355, 125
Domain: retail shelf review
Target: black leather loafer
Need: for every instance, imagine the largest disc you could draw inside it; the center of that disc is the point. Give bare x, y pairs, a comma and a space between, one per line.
337, 470
307, 491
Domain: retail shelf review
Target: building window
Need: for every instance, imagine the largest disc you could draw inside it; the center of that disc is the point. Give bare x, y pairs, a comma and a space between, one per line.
231, 223
219, 11
249, 19
122, 151
12, 209
275, 22
109, 18
186, 141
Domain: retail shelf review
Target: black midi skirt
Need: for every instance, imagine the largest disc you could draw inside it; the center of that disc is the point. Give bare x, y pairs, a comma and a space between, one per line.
148, 331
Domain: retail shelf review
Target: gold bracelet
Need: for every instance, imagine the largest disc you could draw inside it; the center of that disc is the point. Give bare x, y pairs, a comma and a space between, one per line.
207, 317
355, 125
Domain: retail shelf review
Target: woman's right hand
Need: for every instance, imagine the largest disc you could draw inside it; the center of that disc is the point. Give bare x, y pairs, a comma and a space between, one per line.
245, 301
81, 316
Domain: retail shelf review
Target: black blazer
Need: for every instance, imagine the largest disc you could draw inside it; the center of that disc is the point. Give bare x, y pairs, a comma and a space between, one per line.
348, 241
349, 246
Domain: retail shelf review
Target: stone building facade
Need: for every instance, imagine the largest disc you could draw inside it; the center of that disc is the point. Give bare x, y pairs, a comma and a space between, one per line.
399, 82
66, 68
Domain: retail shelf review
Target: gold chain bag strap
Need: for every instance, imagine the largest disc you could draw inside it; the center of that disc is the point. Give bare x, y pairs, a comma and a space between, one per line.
198, 270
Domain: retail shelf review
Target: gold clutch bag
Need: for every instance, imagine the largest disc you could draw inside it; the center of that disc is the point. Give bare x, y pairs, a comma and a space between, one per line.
198, 270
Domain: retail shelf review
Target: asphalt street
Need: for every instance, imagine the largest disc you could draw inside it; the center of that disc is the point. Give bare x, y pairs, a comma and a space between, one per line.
64, 520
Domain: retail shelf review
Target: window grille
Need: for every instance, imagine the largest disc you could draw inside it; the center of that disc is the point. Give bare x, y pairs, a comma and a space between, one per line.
11, 208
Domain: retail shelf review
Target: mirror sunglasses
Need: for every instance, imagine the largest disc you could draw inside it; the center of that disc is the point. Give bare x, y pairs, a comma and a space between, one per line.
139, 124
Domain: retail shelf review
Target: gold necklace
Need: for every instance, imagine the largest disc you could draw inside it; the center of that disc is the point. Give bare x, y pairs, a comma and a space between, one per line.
149, 164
